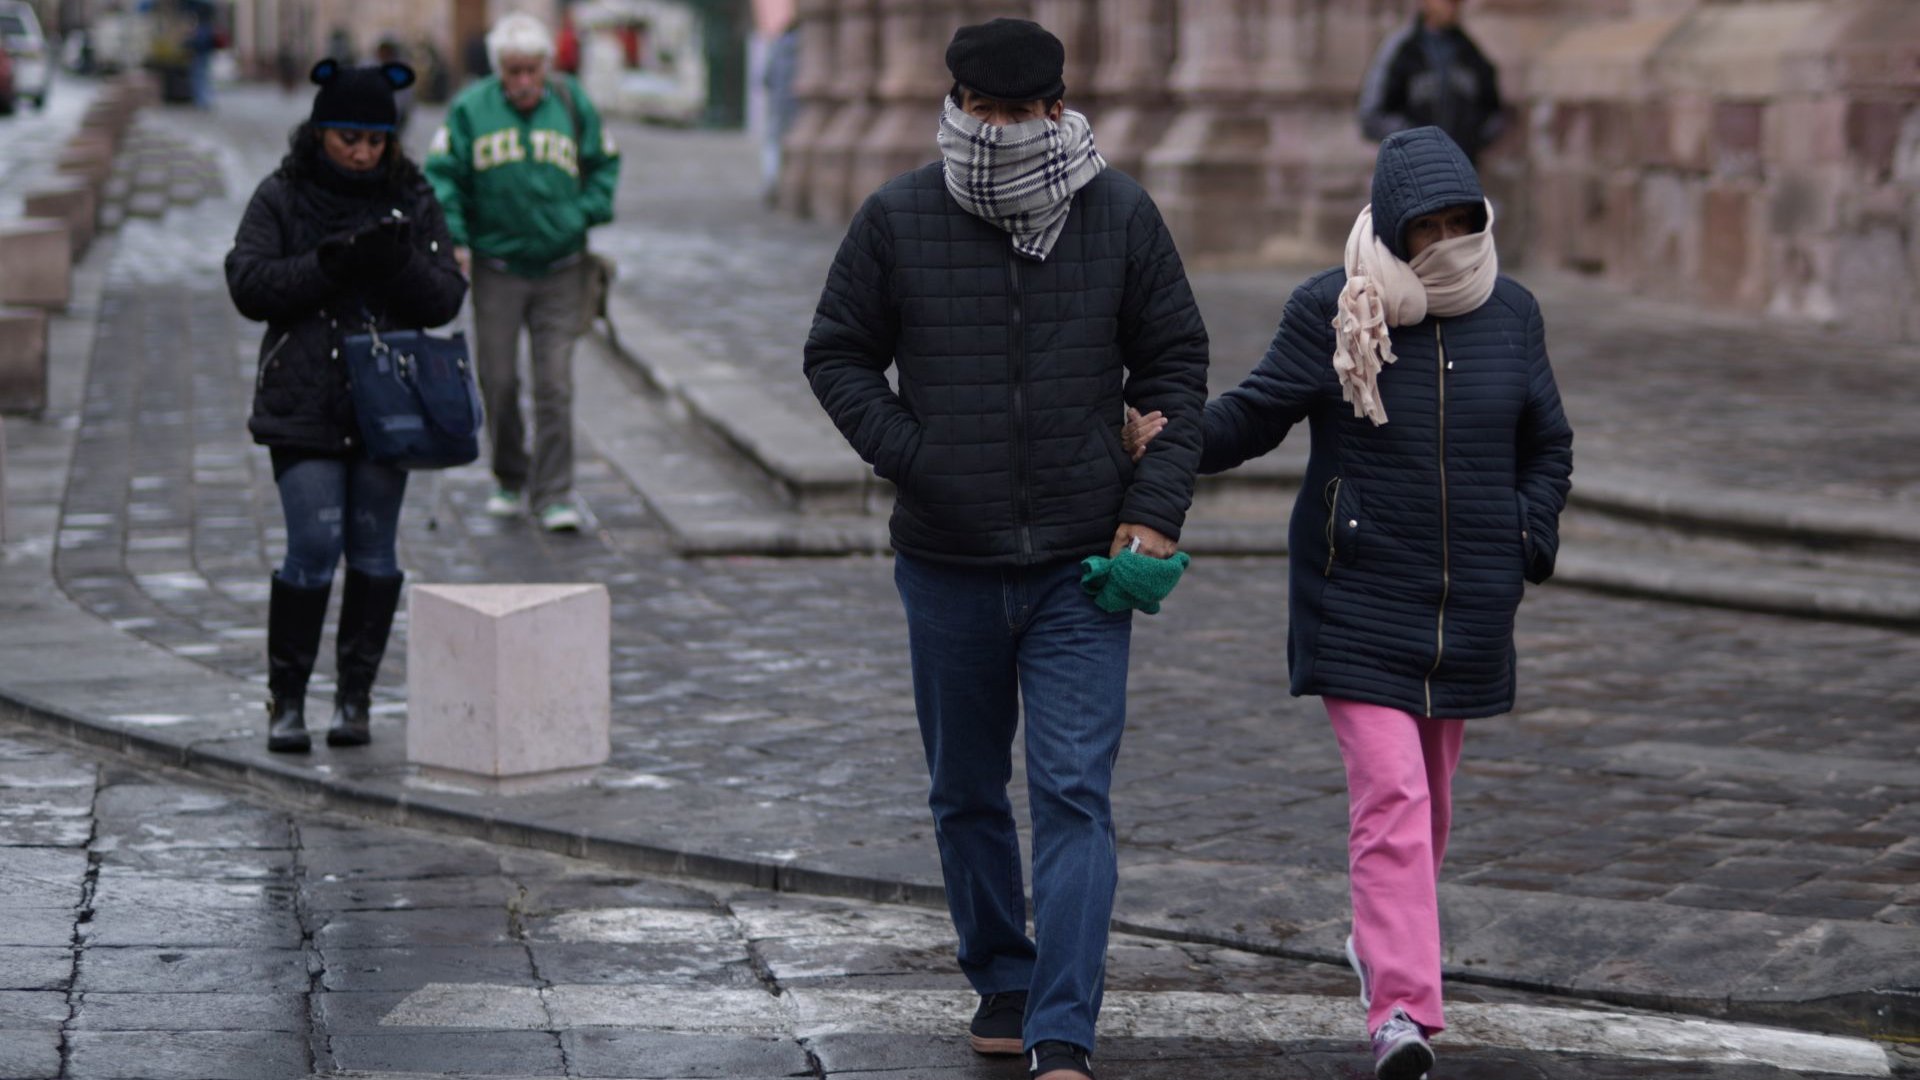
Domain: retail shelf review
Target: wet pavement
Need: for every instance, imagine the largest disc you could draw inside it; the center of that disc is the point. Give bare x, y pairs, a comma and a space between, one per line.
159, 928
1742, 785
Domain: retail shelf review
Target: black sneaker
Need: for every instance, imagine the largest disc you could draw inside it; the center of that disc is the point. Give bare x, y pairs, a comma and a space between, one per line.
1050, 1056
996, 1023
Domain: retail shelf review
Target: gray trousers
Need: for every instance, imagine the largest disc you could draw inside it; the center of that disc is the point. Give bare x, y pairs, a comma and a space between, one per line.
550, 308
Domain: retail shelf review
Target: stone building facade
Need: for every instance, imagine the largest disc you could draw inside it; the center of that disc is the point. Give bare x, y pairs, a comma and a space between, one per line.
1753, 155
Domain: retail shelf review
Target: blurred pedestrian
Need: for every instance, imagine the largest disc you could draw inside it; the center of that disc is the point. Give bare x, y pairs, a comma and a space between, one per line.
1440, 463
1430, 73
783, 105
390, 51
345, 232
203, 40
524, 168
340, 46
566, 45
1027, 293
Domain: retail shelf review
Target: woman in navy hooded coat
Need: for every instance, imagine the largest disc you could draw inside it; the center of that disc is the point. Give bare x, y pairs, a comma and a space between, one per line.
1440, 463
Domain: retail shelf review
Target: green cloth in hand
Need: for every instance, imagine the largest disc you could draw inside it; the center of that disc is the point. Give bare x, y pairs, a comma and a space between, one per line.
1131, 580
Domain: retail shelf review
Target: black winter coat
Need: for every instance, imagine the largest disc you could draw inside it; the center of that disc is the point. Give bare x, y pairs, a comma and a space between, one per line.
1003, 439
301, 402
1410, 542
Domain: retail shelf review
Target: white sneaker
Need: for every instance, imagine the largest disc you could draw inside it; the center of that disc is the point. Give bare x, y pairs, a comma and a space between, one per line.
505, 503
560, 517
1353, 961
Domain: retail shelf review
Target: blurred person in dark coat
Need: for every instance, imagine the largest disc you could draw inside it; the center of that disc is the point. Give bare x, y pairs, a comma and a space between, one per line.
1430, 73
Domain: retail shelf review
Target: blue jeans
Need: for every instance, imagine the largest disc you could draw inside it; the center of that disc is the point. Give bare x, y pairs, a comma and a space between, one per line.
984, 640
336, 506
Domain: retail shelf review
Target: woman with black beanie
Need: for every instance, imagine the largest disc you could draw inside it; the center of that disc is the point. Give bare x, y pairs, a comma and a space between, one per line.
345, 232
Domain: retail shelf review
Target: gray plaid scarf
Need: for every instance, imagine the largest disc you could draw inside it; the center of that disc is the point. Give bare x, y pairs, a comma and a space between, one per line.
1021, 177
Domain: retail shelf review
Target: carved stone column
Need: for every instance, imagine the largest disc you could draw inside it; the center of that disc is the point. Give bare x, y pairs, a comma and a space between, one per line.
1075, 23
1133, 106
813, 84
1319, 166
1208, 172
830, 191
913, 76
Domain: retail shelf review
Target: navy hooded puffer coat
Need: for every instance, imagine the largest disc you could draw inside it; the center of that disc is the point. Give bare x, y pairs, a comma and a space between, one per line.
1411, 542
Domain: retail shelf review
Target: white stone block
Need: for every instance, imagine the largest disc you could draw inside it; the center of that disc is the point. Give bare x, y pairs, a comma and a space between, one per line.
507, 681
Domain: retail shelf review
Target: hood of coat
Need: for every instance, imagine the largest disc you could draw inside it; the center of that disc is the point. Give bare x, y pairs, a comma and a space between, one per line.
1418, 172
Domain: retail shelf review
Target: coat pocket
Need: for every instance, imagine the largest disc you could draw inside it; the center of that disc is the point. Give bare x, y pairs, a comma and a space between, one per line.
1346, 523
1526, 531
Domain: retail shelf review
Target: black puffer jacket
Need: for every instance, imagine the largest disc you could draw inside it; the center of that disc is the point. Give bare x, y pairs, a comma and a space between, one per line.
1003, 440
1410, 542
301, 402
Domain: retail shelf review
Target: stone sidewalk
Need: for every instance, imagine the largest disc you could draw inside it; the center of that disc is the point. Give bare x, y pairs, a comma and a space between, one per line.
1692, 808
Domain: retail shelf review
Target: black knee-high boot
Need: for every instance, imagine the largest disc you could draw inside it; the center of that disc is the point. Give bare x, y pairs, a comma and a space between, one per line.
366, 618
295, 617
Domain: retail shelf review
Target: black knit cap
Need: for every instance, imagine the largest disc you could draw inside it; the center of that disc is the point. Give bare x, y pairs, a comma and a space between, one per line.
1010, 60
357, 97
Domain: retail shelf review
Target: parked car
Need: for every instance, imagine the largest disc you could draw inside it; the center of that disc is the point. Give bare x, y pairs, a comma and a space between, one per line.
33, 61
6, 82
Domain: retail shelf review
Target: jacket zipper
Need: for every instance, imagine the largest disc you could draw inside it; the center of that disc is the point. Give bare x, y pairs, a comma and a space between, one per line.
1016, 371
1446, 573
260, 377
1332, 495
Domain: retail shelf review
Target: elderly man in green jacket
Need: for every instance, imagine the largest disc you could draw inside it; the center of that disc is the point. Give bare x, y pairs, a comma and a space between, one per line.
523, 169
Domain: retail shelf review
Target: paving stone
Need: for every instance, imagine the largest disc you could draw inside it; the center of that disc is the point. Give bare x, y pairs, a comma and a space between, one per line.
414, 967
31, 877
411, 860
35, 968
188, 971
617, 1053
191, 1012
189, 1055
30, 1055
361, 894
482, 1053
686, 964
22, 1010
43, 927
193, 927
437, 927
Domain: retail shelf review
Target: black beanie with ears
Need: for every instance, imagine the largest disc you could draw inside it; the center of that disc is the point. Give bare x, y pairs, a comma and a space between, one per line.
357, 97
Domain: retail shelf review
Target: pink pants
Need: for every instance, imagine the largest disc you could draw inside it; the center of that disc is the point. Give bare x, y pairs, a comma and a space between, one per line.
1399, 806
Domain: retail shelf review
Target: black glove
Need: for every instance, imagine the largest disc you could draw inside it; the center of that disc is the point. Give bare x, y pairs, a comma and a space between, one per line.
336, 257
383, 249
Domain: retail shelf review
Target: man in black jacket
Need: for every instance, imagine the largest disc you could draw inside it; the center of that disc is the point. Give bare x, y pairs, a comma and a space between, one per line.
1430, 72
1029, 295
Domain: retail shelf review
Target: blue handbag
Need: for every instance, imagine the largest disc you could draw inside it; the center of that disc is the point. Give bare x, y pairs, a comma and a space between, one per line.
415, 395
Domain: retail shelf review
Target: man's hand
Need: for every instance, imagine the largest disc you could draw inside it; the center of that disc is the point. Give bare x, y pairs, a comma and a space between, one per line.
1139, 431
464, 257
1152, 542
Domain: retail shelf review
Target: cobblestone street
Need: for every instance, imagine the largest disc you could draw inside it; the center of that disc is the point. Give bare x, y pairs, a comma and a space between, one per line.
1678, 784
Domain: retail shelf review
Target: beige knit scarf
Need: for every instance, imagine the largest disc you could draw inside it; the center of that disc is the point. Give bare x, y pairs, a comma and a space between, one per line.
1451, 277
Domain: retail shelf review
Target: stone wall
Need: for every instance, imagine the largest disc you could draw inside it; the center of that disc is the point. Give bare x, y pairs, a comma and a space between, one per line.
1753, 155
